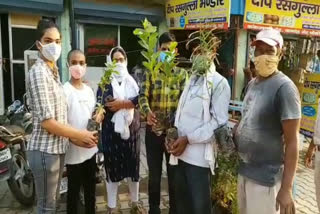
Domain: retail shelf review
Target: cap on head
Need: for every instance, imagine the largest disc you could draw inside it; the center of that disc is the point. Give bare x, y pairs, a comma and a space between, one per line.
269, 36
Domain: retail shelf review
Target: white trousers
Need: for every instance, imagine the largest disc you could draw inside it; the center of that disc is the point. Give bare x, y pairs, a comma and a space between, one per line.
254, 198
112, 192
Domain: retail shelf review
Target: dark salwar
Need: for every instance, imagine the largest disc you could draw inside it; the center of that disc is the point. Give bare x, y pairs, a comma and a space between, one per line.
122, 157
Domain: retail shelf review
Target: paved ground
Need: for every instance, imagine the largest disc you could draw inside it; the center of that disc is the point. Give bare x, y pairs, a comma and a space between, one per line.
305, 188
8, 205
305, 193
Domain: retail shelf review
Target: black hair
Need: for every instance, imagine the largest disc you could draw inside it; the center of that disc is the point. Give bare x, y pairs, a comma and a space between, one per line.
73, 52
166, 37
43, 26
118, 49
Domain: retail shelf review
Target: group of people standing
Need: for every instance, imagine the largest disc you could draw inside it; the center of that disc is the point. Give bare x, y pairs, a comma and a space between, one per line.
266, 136
60, 137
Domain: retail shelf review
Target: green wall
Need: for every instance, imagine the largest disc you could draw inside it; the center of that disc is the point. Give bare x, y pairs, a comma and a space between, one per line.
64, 24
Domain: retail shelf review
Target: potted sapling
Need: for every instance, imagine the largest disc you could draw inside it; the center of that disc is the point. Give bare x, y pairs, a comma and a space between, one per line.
165, 71
100, 109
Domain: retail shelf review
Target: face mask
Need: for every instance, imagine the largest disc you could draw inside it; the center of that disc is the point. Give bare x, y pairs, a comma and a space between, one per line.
163, 56
51, 51
266, 65
77, 71
122, 70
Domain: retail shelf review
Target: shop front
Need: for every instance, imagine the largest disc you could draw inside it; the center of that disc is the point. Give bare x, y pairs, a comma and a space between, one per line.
104, 24
299, 23
18, 22
187, 16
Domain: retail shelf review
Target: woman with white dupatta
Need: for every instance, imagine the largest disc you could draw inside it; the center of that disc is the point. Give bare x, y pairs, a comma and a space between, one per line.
120, 131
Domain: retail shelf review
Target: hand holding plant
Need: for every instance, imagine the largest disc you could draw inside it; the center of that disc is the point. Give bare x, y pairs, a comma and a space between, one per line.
165, 71
151, 119
95, 121
178, 147
105, 80
115, 105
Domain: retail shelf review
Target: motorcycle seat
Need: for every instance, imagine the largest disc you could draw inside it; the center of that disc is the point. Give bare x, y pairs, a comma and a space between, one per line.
17, 130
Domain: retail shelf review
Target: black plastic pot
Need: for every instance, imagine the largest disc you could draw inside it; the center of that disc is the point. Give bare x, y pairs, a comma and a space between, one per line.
171, 137
93, 125
219, 210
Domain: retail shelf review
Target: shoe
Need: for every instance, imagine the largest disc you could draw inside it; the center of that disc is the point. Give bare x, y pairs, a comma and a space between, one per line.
137, 208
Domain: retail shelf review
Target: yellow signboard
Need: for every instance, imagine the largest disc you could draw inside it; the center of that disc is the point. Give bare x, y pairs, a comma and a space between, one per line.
309, 103
289, 16
195, 14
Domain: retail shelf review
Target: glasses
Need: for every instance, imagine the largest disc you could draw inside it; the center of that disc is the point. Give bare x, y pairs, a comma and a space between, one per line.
119, 60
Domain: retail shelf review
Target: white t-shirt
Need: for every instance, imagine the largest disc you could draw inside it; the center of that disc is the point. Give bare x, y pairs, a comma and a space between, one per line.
81, 104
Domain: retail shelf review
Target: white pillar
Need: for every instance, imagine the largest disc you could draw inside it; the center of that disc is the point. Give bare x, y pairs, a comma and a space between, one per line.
240, 62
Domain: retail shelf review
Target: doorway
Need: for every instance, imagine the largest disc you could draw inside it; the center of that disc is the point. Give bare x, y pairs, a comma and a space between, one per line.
96, 41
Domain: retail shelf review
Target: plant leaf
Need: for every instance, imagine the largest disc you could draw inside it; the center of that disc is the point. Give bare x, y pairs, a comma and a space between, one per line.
138, 32
143, 44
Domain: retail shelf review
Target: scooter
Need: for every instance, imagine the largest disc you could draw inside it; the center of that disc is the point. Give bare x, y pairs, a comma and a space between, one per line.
14, 167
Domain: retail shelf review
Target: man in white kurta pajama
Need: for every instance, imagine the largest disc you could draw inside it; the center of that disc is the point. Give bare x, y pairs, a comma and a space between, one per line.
203, 107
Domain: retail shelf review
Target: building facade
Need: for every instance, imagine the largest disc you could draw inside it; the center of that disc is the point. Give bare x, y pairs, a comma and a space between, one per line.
94, 26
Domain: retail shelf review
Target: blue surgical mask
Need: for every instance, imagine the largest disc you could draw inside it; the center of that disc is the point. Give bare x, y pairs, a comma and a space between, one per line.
163, 56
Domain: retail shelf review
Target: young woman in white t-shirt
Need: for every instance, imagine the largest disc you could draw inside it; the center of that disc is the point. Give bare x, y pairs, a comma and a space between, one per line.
81, 162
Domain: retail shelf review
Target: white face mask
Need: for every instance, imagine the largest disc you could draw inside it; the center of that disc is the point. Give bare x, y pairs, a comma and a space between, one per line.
122, 70
51, 51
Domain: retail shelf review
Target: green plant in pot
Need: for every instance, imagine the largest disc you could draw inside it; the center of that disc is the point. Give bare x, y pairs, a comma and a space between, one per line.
204, 52
165, 71
171, 136
100, 110
224, 183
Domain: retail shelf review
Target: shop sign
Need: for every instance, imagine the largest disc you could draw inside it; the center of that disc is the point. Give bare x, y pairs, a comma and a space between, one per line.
100, 46
300, 17
310, 93
195, 14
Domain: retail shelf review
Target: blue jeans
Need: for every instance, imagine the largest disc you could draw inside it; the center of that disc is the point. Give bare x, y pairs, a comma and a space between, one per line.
192, 188
47, 171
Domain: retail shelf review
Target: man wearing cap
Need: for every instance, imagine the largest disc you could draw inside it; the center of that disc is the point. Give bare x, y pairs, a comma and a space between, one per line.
267, 136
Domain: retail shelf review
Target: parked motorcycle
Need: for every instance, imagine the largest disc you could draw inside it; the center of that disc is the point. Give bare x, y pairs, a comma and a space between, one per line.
14, 167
